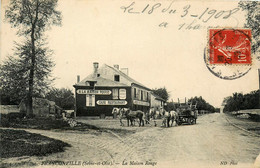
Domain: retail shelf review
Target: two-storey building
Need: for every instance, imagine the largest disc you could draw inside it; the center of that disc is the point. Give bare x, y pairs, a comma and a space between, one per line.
108, 87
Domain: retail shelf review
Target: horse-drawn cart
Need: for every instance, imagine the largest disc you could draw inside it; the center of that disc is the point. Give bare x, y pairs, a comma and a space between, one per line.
187, 114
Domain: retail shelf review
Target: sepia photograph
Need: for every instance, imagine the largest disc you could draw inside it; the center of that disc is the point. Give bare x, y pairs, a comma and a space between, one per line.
130, 84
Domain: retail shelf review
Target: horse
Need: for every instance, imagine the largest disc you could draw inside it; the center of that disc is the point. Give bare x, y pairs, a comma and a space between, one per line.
126, 113
169, 116
174, 116
153, 115
119, 113
131, 115
165, 116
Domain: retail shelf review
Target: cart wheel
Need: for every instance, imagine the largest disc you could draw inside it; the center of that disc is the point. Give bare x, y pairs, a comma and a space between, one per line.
190, 121
193, 121
179, 122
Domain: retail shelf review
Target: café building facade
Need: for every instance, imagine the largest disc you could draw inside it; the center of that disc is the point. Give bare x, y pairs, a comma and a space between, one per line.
108, 87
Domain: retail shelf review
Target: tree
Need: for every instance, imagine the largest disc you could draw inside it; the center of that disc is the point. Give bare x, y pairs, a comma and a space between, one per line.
252, 21
171, 106
32, 18
201, 104
162, 92
238, 101
62, 97
14, 74
11, 72
217, 110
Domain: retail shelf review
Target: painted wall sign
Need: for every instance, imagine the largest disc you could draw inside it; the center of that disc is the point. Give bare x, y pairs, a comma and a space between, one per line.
111, 102
94, 92
137, 102
122, 93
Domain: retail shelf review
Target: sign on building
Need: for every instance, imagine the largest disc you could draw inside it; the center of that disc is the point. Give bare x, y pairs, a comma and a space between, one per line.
137, 102
122, 93
111, 102
94, 92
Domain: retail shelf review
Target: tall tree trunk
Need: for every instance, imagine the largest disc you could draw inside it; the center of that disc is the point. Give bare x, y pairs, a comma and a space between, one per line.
31, 78
32, 67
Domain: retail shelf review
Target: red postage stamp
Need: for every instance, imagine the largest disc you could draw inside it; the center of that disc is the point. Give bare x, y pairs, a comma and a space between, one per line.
229, 46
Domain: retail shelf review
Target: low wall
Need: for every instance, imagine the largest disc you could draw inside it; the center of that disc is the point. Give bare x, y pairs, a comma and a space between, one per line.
5, 109
250, 111
253, 114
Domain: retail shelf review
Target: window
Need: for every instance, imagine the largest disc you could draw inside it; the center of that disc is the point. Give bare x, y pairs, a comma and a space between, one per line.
98, 75
145, 96
142, 95
92, 84
138, 95
115, 93
90, 100
117, 78
135, 96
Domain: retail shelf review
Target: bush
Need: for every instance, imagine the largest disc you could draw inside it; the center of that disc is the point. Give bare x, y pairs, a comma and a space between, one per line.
4, 122
14, 116
45, 123
17, 143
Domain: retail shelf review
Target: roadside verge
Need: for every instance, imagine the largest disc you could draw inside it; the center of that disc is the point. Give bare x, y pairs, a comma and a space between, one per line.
251, 127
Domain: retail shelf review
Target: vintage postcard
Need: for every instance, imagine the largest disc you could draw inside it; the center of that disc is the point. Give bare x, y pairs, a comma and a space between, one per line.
126, 83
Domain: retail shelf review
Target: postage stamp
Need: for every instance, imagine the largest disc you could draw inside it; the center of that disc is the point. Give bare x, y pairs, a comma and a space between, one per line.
229, 46
228, 54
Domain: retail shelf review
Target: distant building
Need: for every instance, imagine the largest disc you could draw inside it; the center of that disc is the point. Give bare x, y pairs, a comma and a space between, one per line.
156, 101
108, 87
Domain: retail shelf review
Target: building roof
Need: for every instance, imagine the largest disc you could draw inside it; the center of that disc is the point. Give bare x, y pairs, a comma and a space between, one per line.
127, 77
107, 82
99, 82
157, 97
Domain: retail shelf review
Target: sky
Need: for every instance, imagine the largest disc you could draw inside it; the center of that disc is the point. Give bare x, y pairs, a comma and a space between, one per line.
163, 47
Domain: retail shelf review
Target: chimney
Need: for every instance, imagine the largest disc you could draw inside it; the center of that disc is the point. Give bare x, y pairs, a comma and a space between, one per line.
78, 78
124, 70
95, 65
116, 66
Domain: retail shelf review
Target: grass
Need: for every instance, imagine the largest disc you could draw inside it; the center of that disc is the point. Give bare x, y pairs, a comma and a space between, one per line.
20, 164
34, 123
246, 123
17, 143
43, 123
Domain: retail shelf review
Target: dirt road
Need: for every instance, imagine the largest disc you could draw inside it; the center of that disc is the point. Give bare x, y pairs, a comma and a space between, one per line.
212, 142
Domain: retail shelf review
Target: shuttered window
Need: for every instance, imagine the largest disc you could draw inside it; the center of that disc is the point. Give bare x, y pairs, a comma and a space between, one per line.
139, 94
135, 94
115, 93
90, 100
145, 96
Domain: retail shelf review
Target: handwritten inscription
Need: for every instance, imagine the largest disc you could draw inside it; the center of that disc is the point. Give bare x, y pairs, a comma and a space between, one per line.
205, 15
190, 26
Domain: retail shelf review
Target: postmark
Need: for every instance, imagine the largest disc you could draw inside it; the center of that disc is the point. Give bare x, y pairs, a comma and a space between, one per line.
228, 52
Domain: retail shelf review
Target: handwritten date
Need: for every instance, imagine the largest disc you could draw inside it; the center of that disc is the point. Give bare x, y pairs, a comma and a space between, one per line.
206, 14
